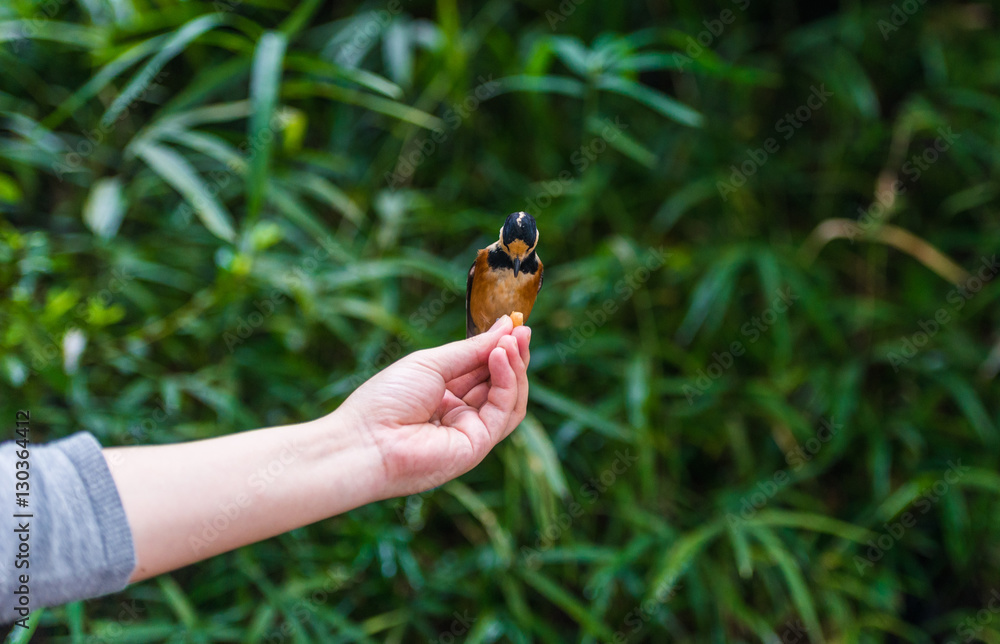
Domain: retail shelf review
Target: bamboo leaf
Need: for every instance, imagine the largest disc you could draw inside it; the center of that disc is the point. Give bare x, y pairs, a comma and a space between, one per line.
793, 577
681, 555
177, 172
651, 98
571, 605
265, 81
171, 47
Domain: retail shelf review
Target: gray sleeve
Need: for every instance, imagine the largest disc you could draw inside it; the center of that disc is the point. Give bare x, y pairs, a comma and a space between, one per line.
79, 544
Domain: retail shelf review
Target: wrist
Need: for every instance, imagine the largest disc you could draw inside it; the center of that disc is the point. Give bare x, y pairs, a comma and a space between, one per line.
347, 454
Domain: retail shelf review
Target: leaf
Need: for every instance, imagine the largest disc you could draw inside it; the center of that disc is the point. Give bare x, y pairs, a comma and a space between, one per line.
741, 550
540, 84
395, 109
967, 400
179, 121
209, 145
10, 192
542, 455
710, 296
473, 503
650, 61
173, 46
981, 478
812, 522
176, 171
265, 81
23, 635
397, 49
560, 403
82, 36
299, 18
771, 281
178, 601
683, 551
796, 583
105, 207
101, 79
572, 52
210, 81
363, 78
678, 203
651, 98
329, 193
623, 142
571, 605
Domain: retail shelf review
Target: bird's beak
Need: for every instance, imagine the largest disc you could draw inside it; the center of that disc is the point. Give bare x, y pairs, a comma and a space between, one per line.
517, 267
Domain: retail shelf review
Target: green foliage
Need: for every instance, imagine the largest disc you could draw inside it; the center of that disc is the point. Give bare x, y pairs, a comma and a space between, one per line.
740, 387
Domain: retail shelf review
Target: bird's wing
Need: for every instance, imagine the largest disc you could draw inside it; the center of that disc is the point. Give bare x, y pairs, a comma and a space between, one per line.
541, 273
470, 329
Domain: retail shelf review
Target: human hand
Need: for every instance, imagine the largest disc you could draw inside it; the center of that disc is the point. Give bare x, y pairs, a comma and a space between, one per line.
422, 421
436, 413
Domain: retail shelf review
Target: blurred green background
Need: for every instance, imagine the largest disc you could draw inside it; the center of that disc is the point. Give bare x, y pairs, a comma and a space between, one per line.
764, 381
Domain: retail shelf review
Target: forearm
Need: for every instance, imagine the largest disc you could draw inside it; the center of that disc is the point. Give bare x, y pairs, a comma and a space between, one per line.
190, 501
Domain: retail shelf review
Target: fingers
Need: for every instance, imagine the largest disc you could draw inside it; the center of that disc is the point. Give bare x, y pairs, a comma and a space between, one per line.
464, 384
459, 358
478, 395
515, 352
473, 387
449, 403
503, 396
523, 336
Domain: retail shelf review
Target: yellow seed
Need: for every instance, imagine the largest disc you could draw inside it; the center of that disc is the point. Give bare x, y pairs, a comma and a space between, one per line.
517, 317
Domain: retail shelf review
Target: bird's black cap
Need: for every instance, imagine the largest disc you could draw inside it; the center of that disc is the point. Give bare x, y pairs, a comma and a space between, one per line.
519, 225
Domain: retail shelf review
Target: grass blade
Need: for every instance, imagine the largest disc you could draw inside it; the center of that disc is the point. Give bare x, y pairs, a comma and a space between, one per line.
571, 605
265, 82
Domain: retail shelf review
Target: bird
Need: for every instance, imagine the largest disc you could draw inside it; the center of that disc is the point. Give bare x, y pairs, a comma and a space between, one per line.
506, 276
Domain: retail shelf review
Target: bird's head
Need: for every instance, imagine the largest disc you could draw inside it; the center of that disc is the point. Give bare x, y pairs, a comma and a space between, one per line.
518, 238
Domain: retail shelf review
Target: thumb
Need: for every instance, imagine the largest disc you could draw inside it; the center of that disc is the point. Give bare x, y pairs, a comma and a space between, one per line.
462, 356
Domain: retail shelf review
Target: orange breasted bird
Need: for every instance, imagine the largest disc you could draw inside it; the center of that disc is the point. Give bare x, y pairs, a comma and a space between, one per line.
506, 276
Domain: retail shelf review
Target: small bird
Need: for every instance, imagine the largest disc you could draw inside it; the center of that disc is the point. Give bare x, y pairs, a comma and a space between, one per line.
506, 276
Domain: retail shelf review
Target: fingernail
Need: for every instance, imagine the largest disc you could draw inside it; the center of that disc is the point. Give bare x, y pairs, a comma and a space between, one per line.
499, 322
